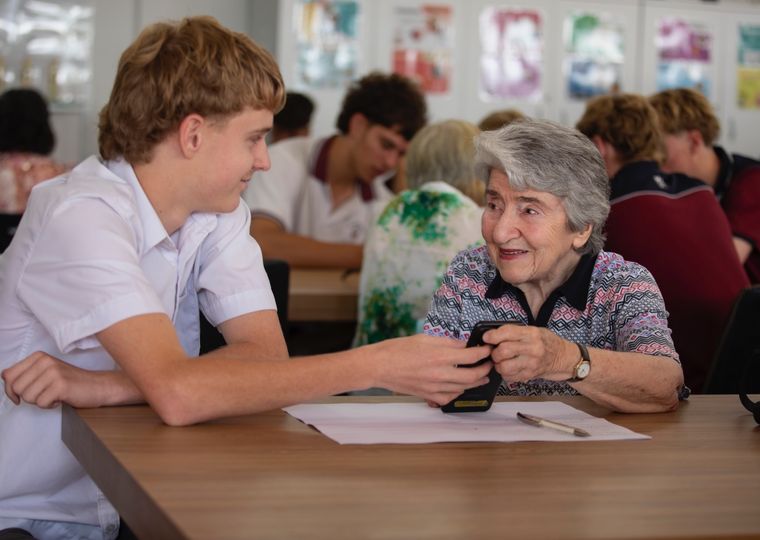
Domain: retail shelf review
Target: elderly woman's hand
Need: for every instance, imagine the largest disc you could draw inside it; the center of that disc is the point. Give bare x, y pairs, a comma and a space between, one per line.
522, 353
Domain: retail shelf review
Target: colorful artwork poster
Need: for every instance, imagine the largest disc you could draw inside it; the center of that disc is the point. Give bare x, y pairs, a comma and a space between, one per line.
327, 46
423, 45
511, 60
748, 71
684, 52
594, 55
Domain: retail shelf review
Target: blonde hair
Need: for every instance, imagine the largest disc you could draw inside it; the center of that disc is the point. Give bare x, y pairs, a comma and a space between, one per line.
174, 69
445, 152
683, 109
626, 121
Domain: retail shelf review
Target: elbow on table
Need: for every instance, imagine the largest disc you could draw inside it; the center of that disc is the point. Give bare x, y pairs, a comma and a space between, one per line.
174, 406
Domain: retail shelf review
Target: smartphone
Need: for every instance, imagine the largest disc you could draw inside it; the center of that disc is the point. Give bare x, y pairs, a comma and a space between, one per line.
479, 398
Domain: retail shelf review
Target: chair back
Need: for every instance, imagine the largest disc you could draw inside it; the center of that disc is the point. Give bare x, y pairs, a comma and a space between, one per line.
736, 367
8, 225
278, 273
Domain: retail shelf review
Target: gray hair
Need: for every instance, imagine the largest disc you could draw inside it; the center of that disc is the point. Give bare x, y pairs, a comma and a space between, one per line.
445, 152
544, 156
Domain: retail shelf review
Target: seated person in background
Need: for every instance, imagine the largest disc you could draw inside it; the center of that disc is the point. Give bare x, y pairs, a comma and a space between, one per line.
669, 223
500, 119
101, 287
592, 322
294, 119
26, 141
315, 204
410, 246
691, 129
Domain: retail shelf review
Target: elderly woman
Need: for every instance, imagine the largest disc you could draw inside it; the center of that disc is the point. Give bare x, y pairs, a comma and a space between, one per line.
593, 323
411, 244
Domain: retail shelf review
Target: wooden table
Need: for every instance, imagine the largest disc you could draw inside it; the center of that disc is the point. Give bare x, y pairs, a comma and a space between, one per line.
322, 295
269, 476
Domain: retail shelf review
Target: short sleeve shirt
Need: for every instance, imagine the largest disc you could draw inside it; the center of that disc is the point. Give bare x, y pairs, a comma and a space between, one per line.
90, 252
607, 303
294, 192
406, 255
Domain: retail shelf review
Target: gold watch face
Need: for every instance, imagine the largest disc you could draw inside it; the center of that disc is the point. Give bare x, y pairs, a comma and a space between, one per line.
583, 370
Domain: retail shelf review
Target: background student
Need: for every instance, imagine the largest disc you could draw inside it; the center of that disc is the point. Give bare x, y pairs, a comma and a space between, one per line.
315, 204
671, 224
691, 129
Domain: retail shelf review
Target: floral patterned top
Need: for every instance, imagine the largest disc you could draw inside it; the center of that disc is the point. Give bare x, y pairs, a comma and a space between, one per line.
19, 173
406, 255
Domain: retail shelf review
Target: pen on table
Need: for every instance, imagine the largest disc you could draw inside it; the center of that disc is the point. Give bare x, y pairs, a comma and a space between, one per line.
543, 422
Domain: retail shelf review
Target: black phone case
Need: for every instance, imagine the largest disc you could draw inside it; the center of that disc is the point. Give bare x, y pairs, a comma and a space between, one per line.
480, 398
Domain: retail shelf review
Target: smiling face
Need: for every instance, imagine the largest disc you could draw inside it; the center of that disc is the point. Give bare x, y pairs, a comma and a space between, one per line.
528, 236
377, 149
231, 152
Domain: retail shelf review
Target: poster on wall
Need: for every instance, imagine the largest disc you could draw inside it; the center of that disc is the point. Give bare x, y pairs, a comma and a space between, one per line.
423, 43
511, 58
594, 55
684, 54
748, 71
327, 44
48, 45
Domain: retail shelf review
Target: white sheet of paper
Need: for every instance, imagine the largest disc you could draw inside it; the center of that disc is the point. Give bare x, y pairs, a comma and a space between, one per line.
416, 423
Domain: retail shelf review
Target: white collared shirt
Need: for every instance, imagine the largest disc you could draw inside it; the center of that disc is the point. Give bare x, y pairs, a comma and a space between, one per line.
291, 194
90, 252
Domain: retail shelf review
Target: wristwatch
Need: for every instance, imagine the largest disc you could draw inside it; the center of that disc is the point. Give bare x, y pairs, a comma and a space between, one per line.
583, 367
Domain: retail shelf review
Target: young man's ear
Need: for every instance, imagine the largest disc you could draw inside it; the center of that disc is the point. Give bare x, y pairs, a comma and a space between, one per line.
608, 153
357, 125
191, 134
694, 137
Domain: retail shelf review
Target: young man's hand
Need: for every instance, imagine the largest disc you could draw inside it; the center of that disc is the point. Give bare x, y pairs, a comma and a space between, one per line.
426, 366
46, 381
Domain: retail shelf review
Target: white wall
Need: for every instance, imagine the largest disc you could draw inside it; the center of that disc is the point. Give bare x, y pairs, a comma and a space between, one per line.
117, 23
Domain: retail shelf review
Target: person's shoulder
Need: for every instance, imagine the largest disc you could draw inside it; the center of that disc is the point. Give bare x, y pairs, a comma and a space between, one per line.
295, 148
89, 184
746, 169
645, 178
33, 168
474, 258
614, 268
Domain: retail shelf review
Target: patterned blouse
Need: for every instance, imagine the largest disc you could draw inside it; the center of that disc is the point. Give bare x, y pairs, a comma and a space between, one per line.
406, 255
19, 173
607, 303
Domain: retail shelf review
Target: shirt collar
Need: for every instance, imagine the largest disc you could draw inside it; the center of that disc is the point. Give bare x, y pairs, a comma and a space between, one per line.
319, 169
725, 171
574, 289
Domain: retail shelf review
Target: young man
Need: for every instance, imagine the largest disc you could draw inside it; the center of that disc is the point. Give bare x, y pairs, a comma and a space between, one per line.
102, 284
669, 223
691, 130
313, 207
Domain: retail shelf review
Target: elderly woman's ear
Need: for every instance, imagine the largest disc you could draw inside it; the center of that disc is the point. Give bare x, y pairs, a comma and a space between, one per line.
582, 237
